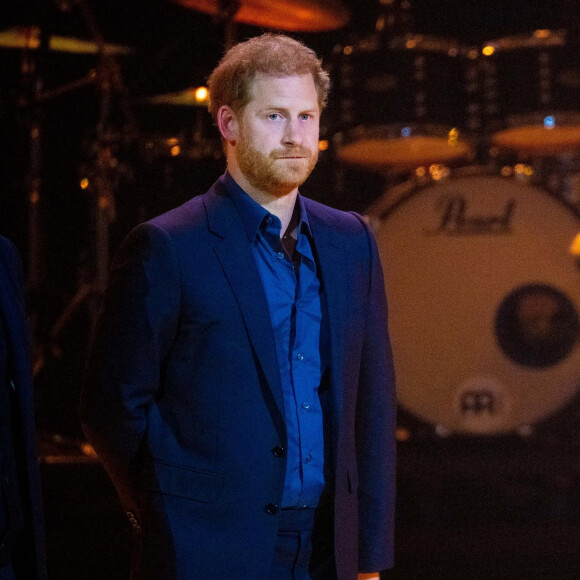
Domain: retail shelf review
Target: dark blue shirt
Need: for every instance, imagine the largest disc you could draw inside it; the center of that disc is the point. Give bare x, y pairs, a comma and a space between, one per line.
292, 288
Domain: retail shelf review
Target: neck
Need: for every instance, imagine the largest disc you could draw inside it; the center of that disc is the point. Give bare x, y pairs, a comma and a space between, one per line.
281, 204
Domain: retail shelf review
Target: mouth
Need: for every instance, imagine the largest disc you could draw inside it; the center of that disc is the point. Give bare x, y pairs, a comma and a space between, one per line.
292, 154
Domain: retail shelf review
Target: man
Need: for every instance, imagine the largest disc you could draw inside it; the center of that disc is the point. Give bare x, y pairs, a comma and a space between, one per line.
21, 521
240, 388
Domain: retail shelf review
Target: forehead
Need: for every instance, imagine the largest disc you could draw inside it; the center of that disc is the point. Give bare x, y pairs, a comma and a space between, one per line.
291, 88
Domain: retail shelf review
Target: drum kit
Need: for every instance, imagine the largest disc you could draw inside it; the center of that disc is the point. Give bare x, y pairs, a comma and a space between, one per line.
480, 148
479, 238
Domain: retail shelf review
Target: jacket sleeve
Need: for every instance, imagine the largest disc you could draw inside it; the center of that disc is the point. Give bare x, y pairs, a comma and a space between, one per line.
134, 332
375, 429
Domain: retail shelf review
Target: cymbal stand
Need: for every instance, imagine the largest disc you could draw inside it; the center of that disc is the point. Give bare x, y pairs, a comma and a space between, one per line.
100, 179
227, 14
29, 101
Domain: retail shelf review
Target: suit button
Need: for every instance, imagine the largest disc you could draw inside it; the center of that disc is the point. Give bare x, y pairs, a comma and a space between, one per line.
278, 451
271, 509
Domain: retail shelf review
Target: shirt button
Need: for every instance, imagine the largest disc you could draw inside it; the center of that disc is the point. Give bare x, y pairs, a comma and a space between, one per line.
271, 509
280, 255
269, 220
278, 451
306, 406
308, 458
300, 356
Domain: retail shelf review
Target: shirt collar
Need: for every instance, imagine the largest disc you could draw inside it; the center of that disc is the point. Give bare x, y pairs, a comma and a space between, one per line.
253, 214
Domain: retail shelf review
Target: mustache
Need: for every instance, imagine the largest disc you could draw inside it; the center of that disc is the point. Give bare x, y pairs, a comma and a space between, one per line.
296, 151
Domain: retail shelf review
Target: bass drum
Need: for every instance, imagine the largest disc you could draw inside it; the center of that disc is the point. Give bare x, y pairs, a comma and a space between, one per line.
483, 283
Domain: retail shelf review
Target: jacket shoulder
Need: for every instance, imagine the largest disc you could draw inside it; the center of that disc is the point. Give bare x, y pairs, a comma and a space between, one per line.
190, 218
344, 223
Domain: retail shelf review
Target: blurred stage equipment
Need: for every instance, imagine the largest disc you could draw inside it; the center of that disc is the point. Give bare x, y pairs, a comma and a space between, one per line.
403, 99
29, 38
288, 15
484, 288
192, 142
532, 106
530, 73
102, 171
32, 42
191, 97
181, 154
481, 262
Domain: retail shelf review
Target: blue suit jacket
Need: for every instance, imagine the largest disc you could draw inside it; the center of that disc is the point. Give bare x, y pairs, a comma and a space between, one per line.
20, 480
183, 400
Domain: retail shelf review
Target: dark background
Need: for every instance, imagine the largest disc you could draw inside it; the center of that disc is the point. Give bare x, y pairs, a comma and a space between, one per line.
489, 507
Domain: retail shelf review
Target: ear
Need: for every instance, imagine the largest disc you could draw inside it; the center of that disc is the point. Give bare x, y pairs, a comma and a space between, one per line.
227, 122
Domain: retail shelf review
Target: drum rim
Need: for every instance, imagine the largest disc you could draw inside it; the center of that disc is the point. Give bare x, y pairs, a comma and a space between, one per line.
403, 192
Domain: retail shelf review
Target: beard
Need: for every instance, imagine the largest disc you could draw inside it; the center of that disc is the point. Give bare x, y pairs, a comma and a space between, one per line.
272, 173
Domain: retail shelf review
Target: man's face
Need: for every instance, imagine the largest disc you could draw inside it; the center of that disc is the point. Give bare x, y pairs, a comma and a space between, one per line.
277, 145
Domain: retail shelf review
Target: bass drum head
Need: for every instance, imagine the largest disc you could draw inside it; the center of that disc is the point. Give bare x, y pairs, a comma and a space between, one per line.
484, 296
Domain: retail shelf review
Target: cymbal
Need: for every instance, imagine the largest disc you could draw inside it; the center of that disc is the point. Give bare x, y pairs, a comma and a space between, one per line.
29, 38
289, 15
190, 97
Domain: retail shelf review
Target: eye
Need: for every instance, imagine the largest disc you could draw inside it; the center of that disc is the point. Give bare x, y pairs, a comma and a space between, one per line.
274, 116
305, 116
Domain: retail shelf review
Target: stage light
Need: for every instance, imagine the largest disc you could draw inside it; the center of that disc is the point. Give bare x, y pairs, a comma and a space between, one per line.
201, 94
488, 50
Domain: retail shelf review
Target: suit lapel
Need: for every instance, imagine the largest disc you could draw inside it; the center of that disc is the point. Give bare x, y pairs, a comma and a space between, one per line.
330, 251
237, 260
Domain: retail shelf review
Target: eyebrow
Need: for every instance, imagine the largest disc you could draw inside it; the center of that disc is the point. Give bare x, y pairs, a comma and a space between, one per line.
285, 109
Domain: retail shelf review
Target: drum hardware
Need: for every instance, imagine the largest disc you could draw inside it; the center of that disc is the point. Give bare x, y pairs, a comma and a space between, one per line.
527, 73
400, 149
190, 97
531, 108
115, 128
395, 18
177, 156
29, 38
34, 43
289, 15
482, 280
405, 102
540, 134
545, 148
194, 144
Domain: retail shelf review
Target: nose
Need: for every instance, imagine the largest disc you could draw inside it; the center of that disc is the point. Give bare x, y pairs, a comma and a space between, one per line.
293, 132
